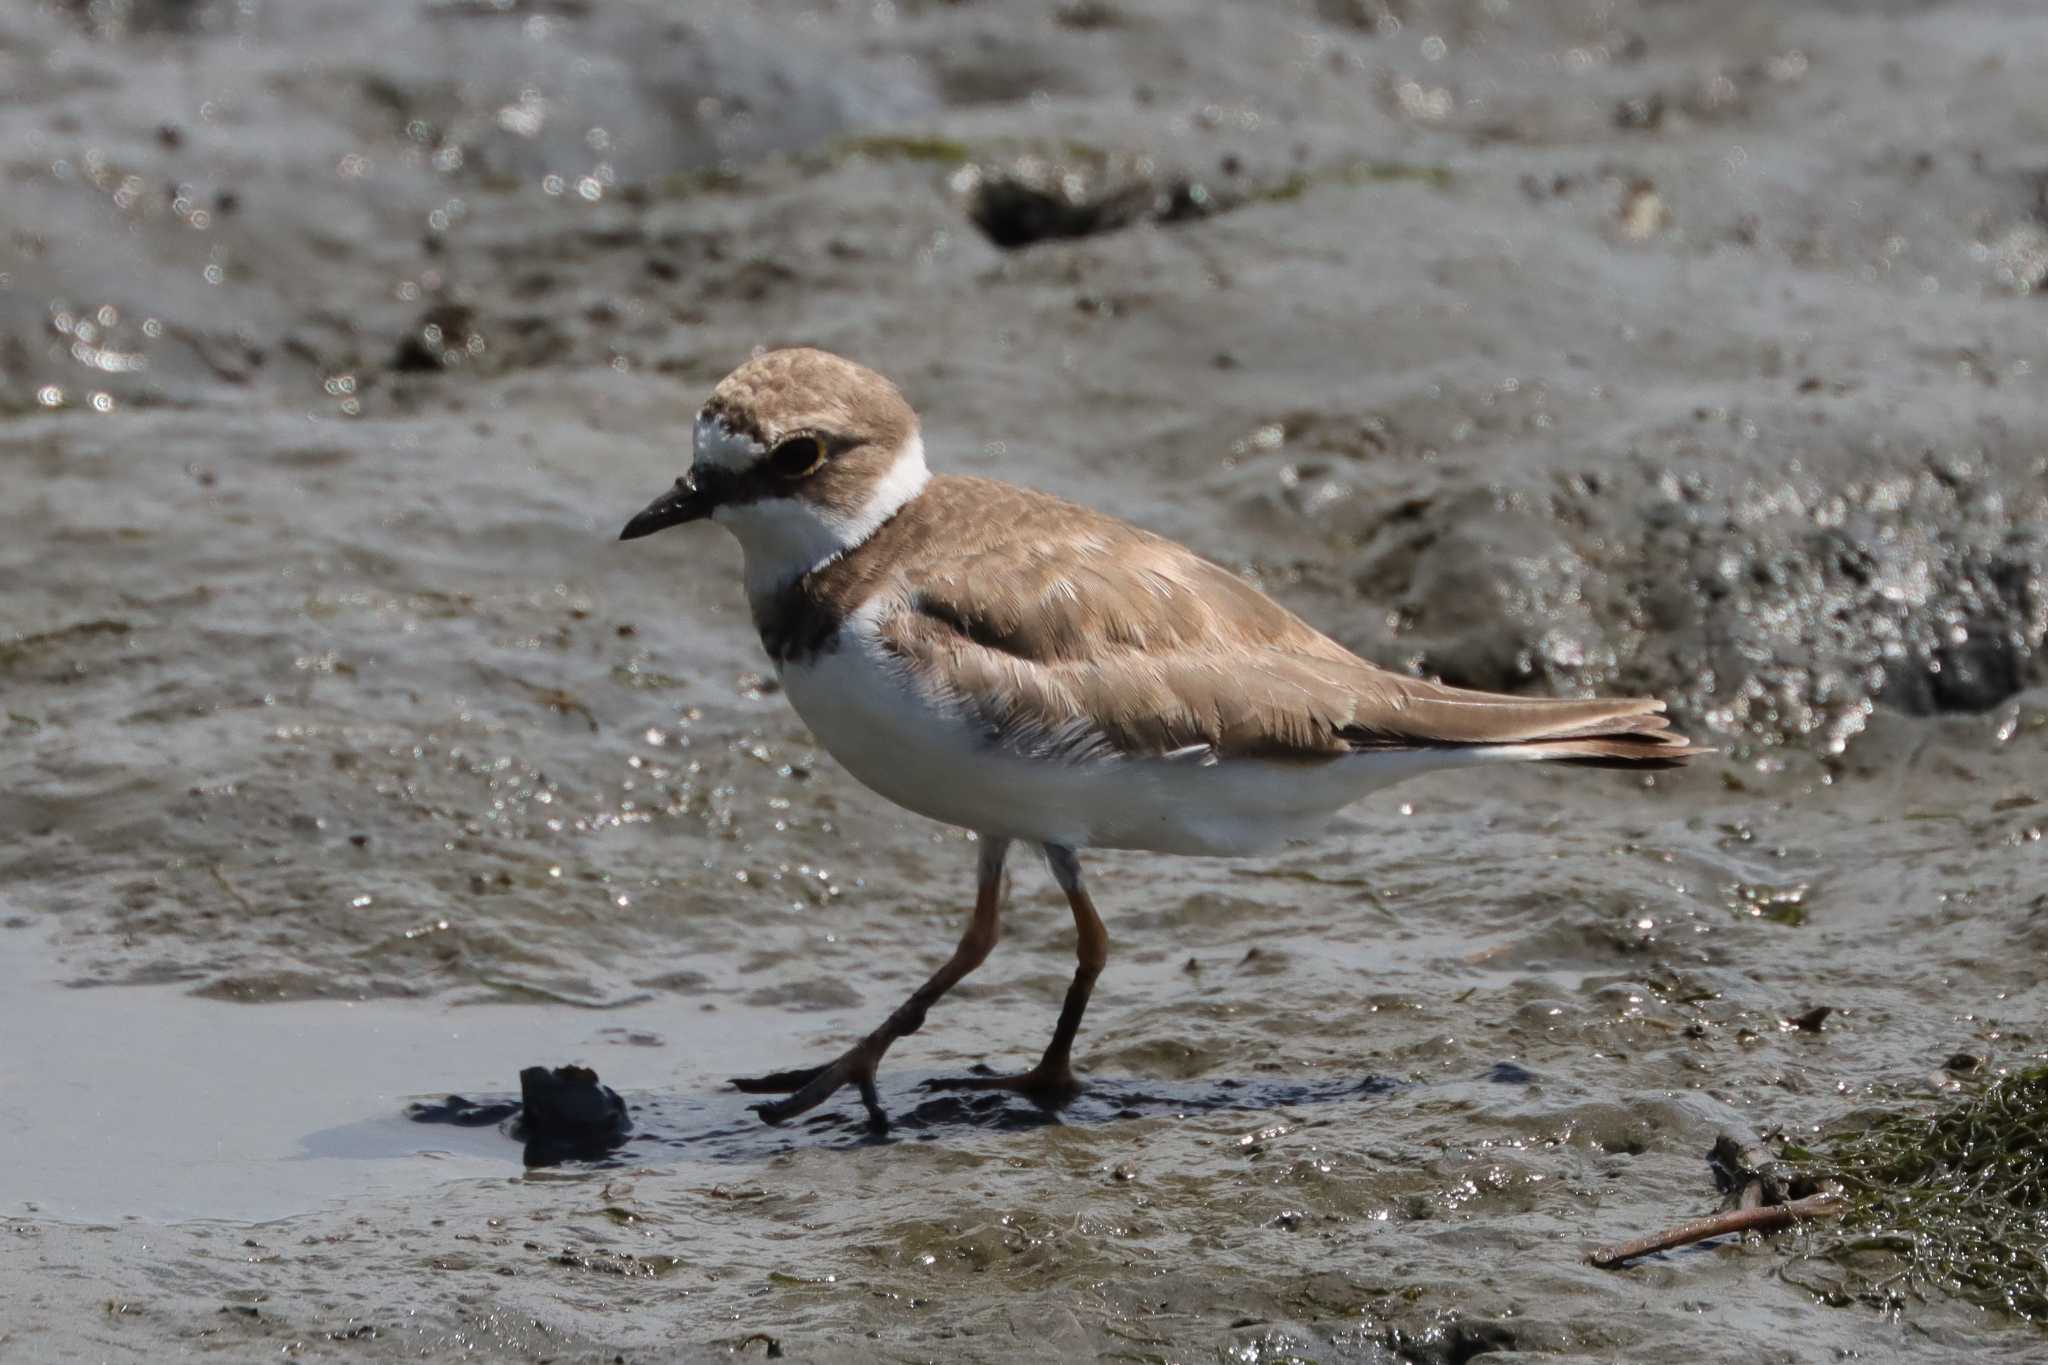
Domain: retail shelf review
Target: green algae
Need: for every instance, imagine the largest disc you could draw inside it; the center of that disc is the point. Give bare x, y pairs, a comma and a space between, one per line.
1953, 1202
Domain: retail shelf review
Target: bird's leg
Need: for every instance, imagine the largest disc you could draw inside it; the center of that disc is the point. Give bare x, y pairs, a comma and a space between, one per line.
811, 1086
1051, 1082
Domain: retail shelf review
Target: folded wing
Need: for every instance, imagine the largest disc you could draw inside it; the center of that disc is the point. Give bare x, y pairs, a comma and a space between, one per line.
1084, 636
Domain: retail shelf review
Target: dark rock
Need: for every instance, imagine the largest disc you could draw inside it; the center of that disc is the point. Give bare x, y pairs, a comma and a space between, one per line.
1748, 1173
444, 338
1454, 1342
563, 1114
1037, 200
1812, 1020
568, 1115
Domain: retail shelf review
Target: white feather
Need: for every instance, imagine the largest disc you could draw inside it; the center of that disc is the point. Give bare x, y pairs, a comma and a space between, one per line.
908, 739
714, 444
906, 478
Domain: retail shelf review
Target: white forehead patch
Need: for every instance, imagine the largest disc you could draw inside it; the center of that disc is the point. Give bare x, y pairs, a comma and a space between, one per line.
714, 443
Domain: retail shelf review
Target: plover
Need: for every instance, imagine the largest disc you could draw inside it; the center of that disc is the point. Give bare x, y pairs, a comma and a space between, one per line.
999, 659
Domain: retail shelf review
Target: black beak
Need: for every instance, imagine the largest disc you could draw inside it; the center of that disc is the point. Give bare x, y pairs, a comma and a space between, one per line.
684, 502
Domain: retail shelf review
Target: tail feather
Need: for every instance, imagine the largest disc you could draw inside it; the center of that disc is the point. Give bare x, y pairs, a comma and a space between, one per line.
1642, 750
1604, 732
1619, 732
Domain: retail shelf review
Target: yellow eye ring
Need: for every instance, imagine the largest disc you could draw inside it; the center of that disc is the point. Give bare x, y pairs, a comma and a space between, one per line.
797, 457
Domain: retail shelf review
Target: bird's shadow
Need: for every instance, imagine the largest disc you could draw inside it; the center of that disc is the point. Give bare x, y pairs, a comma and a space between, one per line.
721, 1125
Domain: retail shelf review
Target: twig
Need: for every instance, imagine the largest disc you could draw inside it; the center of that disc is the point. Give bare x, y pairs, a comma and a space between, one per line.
1767, 1219
229, 887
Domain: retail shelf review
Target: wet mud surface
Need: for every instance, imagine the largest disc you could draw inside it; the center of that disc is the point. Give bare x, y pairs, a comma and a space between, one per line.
347, 761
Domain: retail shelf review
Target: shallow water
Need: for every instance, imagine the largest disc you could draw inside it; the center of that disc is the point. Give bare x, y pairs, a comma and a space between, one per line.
347, 759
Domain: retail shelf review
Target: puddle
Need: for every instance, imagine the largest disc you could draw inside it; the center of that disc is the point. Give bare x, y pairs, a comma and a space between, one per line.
146, 1102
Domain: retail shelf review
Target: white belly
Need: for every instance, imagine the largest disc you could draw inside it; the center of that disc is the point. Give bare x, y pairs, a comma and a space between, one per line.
930, 758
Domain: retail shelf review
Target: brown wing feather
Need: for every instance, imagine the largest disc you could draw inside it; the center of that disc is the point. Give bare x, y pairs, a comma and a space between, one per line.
1070, 631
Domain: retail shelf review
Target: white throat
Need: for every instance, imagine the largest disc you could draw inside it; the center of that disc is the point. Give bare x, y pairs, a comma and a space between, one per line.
785, 538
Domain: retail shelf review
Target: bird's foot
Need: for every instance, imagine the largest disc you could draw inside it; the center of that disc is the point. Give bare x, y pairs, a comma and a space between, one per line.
810, 1087
1049, 1087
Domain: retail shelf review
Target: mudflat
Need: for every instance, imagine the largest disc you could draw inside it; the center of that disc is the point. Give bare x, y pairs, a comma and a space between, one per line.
346, 759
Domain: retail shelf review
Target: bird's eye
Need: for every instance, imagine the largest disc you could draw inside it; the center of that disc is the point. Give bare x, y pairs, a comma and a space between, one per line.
796, 457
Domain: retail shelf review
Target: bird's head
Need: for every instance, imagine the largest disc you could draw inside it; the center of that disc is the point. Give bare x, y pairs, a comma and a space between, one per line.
802, 455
